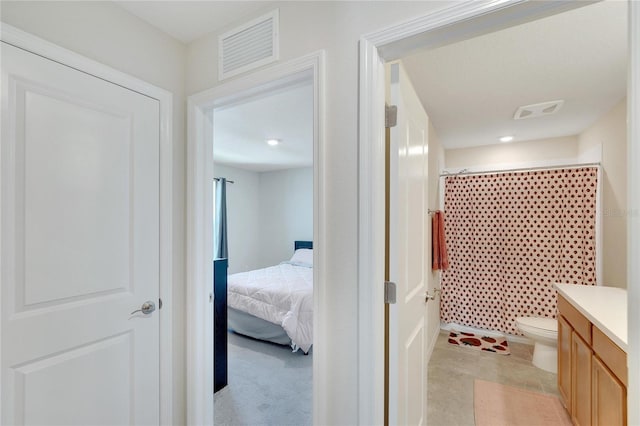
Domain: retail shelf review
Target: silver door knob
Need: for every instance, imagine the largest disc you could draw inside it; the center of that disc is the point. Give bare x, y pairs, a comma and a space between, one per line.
146, 308
432, 296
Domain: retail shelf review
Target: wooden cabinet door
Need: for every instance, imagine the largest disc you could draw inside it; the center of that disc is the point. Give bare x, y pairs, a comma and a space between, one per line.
564, 361
608, 402
581, 381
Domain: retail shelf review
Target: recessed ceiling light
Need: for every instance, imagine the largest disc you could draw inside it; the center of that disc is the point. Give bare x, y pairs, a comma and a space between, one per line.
506, 139
273, 142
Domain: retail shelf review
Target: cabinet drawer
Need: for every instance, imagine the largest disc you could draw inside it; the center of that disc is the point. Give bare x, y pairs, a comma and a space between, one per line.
579, 322
611, 354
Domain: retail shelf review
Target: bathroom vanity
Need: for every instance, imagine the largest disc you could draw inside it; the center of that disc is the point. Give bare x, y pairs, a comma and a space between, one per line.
592, 358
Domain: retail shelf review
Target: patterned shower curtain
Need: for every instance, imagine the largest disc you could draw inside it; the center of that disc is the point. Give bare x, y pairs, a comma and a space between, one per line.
512, 235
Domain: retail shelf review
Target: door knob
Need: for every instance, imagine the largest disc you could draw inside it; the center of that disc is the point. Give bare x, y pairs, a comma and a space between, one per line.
146, 308
432, 296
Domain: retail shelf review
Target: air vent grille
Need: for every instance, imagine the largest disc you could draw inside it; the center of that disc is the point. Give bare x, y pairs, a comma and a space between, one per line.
538, 110
249, 46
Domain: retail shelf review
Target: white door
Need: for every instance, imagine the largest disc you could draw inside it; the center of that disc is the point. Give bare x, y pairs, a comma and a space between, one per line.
408, 221
80, 247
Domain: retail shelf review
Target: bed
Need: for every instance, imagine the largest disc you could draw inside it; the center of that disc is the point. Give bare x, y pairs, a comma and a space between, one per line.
275, 303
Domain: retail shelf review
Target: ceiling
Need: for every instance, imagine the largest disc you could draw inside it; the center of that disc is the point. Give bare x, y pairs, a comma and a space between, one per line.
472, 89
189, 20
241, 130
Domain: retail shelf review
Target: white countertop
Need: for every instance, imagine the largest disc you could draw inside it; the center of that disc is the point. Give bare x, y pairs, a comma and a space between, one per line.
605, 307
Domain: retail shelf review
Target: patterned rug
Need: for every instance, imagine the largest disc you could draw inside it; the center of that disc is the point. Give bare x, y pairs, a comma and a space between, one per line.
497, 345
500, 405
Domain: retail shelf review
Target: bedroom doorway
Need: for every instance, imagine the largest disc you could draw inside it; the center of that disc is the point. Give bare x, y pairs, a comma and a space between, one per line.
271, 176
263, 237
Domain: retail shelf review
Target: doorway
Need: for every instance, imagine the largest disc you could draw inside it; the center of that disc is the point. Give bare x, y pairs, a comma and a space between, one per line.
376, 49
201, 178
263, 228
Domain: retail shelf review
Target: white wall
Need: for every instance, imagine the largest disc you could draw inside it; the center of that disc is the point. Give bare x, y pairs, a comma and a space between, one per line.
335, 27
515, 152
286, 213
266, 213
243, 217
610, 131
107, 34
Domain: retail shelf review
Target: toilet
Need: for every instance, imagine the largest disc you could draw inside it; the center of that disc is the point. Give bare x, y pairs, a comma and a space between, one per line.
544, 333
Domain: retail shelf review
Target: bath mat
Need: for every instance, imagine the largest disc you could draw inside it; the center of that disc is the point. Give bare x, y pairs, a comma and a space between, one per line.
497, 345
500, 405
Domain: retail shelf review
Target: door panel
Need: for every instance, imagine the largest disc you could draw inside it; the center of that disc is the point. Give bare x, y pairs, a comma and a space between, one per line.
609, 397
71, 377
414, 365
564, 361
80, 247
415, 163
407, 248
581, 356
63, 161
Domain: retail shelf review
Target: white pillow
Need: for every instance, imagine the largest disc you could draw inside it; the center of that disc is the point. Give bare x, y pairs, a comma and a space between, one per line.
302, 257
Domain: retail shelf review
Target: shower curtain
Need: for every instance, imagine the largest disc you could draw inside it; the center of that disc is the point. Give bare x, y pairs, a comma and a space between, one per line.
512, 235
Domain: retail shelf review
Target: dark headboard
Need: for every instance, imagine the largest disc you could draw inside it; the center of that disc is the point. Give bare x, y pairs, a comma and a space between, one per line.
302, 245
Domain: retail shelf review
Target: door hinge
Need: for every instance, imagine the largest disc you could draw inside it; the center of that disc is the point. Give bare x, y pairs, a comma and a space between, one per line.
390, 116
389, 292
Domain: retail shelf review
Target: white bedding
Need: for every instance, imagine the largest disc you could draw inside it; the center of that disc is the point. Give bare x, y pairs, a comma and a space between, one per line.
281, 294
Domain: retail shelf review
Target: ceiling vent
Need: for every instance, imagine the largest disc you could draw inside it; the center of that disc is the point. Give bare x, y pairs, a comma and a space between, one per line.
248, 46
537, 110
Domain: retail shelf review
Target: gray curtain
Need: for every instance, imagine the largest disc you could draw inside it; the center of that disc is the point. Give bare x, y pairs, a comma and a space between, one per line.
220, 226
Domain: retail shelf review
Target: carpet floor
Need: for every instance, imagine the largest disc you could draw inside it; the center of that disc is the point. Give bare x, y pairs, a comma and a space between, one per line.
501, 405
268, 385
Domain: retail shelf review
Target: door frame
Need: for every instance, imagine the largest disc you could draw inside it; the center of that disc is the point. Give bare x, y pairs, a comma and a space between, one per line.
48, 50
448, 25
200, 226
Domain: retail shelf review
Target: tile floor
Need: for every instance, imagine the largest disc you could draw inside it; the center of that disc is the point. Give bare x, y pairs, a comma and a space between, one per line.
452, 371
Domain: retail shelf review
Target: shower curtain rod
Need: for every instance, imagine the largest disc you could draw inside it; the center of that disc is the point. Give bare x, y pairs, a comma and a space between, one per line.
521, 169
229, 181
